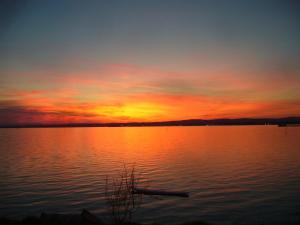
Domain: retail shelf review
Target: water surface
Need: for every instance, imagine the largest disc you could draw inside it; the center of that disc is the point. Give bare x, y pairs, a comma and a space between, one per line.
235, 174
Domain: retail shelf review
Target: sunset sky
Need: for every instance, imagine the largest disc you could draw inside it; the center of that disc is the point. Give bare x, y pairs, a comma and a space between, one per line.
118, 61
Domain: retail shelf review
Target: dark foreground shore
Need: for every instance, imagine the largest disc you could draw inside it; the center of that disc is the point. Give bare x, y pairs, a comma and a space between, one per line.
84, 218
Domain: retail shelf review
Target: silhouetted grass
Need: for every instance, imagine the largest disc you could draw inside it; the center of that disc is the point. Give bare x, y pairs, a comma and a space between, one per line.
121, 200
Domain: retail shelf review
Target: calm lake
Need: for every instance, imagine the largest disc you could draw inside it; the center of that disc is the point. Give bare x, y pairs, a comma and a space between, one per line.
235, 174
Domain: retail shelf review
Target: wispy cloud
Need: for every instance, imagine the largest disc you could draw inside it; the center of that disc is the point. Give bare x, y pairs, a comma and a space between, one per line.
134, 93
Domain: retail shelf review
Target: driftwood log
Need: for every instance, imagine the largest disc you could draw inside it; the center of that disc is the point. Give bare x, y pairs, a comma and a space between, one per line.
160, 192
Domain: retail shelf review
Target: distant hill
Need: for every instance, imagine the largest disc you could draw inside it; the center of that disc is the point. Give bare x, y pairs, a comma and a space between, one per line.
192, 122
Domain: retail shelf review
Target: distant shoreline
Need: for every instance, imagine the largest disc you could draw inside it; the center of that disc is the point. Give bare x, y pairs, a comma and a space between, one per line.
282, 122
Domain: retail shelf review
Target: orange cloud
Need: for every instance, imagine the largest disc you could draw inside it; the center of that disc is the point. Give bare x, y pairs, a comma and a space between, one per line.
123, 93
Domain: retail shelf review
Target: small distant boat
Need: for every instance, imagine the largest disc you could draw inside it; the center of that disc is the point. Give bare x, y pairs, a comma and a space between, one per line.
288, 125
